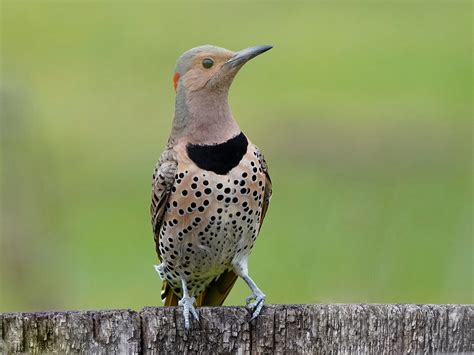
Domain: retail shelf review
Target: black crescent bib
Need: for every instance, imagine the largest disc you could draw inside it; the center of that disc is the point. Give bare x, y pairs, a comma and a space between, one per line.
219, 158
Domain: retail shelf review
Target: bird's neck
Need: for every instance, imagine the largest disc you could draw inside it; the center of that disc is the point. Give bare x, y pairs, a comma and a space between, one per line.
203, 117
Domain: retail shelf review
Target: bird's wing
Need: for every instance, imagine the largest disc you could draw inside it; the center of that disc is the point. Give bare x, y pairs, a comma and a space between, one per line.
163, 180
268, 187
216, 293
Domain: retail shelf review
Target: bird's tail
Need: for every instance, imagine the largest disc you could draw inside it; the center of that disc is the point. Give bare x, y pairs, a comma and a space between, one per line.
213, 295
168, 297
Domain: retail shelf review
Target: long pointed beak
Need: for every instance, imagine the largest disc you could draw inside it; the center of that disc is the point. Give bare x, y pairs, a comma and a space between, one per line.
243, 56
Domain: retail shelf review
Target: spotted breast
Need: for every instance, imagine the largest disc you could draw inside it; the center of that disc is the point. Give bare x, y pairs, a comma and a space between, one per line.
213, 214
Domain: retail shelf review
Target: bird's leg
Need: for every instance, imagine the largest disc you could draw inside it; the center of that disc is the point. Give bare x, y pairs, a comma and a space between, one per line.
258, 296
188, 305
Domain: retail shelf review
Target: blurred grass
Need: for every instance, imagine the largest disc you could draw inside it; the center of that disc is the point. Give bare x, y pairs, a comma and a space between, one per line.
363, 110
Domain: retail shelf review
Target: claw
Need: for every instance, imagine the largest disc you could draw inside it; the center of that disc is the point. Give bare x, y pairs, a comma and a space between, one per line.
256, 306
188, 307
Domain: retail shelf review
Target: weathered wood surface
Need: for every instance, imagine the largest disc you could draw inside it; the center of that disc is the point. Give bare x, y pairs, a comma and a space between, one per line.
320, 328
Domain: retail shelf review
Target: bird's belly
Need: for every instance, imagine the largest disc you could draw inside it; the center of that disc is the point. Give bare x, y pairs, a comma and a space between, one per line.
211, 220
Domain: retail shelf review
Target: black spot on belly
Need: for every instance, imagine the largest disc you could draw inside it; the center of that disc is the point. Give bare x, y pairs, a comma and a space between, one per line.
219, 158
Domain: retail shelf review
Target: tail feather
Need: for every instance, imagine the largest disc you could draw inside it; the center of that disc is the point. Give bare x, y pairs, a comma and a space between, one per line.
214, 295
218, 290
168, 296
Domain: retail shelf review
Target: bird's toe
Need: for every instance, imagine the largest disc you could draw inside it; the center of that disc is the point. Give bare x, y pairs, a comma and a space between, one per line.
188, 307
256, 306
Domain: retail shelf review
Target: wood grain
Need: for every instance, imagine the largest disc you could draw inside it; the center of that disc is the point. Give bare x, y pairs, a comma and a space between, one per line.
303, 329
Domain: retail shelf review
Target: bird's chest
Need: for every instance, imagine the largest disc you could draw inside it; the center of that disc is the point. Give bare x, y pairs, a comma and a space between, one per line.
212, 219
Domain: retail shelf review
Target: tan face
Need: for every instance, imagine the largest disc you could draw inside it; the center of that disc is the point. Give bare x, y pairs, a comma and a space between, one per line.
205, 69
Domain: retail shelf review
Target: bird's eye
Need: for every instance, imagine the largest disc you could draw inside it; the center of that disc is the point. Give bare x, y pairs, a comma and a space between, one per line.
207, 63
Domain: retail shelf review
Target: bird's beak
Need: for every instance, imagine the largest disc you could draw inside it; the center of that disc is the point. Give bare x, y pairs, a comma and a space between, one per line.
227, 72
243, 56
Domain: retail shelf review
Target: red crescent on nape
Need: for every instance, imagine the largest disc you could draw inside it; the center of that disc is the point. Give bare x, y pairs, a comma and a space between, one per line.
175, 80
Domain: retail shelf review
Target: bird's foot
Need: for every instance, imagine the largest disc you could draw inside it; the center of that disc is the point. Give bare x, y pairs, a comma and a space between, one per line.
257, 304
188, 307
159, 270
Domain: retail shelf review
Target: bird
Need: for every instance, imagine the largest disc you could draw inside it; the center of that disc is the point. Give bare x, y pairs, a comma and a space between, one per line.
210, 188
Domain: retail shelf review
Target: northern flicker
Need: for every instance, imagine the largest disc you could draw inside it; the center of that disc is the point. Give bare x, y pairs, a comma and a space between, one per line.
211, 187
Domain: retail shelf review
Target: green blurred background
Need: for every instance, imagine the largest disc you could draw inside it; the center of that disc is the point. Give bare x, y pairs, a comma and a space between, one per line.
363, 111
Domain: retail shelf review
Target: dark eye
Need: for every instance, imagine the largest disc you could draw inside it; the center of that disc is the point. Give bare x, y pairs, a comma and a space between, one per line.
207, 63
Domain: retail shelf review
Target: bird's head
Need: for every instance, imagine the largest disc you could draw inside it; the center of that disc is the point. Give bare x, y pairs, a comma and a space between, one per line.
202, 79
211, 68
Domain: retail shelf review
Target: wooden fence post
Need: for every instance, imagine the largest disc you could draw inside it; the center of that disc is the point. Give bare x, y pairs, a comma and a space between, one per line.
308, 329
